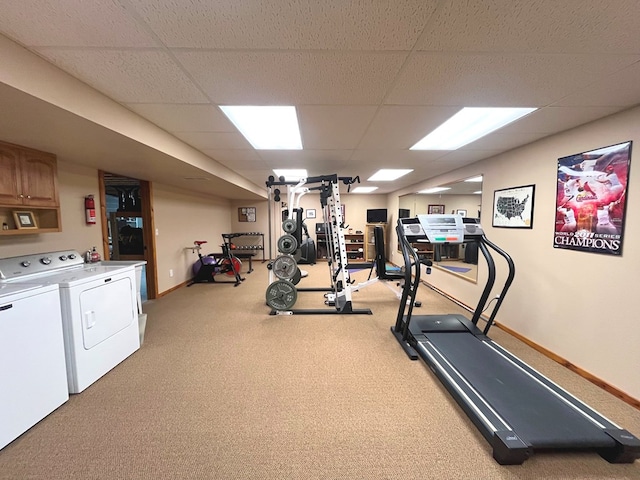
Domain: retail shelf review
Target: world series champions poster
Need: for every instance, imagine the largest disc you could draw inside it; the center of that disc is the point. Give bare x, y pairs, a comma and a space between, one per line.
591, 200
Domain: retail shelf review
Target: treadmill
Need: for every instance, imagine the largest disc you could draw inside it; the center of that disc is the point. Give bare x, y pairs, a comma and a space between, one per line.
517, 409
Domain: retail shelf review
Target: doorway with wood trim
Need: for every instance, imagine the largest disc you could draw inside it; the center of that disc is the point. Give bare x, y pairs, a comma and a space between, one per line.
128, 226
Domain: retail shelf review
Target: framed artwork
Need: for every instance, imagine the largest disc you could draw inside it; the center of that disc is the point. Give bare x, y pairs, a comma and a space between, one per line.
247, 214
435, 209
462, 213
311, 213
513, 207
591, 200
24, 219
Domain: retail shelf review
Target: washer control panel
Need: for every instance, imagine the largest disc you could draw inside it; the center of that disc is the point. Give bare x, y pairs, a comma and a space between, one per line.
26, 265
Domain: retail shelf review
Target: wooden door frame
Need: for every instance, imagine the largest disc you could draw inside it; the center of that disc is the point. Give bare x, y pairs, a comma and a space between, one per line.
148, 231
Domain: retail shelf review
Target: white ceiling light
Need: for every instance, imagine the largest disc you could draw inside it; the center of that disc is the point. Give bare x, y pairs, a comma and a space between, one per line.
474, 179
468, 125
363, 189
291, 174
267, 128
435, 190
388, 174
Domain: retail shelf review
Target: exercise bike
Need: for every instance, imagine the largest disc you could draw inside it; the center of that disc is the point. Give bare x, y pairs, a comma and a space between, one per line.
209, 266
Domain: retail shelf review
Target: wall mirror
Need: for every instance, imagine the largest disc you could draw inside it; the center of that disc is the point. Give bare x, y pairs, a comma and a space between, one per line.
462, 197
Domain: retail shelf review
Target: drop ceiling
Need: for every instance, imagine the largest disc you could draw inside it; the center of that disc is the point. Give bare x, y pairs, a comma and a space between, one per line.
369, 79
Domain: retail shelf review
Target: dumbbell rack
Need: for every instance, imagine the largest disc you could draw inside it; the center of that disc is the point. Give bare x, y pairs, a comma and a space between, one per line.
253, 247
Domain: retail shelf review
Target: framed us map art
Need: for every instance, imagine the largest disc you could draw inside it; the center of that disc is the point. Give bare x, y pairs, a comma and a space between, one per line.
513, 207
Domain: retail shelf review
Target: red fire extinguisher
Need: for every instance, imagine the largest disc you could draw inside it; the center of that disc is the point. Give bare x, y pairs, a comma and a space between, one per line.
90, 209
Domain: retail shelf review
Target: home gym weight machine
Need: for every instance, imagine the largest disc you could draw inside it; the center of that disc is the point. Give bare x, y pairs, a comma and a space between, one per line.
282, 294
517, 409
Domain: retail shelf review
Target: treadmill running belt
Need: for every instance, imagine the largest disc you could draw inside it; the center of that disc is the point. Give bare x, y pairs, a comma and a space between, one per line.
535, 414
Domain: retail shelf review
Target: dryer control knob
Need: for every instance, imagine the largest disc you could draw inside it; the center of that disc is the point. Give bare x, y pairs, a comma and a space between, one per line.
26, 263
45, 260
63, 257
72, 256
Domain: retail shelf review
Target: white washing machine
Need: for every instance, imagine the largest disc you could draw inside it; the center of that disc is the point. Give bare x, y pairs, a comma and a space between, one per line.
33, 374
98, 308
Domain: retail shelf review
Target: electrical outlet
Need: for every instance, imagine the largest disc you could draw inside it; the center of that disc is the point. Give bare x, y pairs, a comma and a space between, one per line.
171, 272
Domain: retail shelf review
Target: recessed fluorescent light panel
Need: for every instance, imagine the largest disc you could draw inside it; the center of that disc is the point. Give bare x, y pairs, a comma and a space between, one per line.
388, 174
266, 128
363, 189
435, 190
291, 174
468, 125
474, 179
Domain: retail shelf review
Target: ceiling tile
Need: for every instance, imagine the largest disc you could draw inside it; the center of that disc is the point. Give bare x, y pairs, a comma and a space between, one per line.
620, 88
540, 26
72, 23
214, 140
394, 158
460, 158
128, 76
234, 158
292, 24
333, 127
503, 141
499, 80
549, 120
286, 78
184, 118
400, 127
367, 162
303, 158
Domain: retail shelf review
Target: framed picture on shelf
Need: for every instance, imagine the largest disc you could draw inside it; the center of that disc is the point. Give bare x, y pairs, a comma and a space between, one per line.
462, 213
513, 207
24, 219
435, 209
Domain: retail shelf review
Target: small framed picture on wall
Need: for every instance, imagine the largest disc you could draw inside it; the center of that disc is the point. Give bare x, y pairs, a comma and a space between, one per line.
435, 209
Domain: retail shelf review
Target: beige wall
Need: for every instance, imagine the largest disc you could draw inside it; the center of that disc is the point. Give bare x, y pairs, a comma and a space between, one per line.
180, 219
578, 305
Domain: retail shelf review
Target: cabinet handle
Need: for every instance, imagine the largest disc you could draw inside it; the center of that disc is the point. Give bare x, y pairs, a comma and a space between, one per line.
28, 196
21, 196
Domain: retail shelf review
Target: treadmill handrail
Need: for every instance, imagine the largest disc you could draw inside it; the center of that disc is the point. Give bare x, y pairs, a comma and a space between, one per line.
507, 283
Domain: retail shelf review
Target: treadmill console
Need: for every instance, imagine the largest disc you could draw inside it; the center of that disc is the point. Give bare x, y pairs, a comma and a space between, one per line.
472, 229
413, 230
443, 228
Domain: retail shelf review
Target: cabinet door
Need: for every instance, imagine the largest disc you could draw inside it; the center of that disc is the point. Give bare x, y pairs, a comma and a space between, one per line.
39, 179
10, 176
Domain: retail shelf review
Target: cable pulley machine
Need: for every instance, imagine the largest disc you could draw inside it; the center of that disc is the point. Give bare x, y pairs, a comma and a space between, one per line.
282, 294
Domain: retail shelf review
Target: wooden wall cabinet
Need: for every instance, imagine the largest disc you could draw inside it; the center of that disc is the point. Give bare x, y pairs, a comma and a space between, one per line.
28, 181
